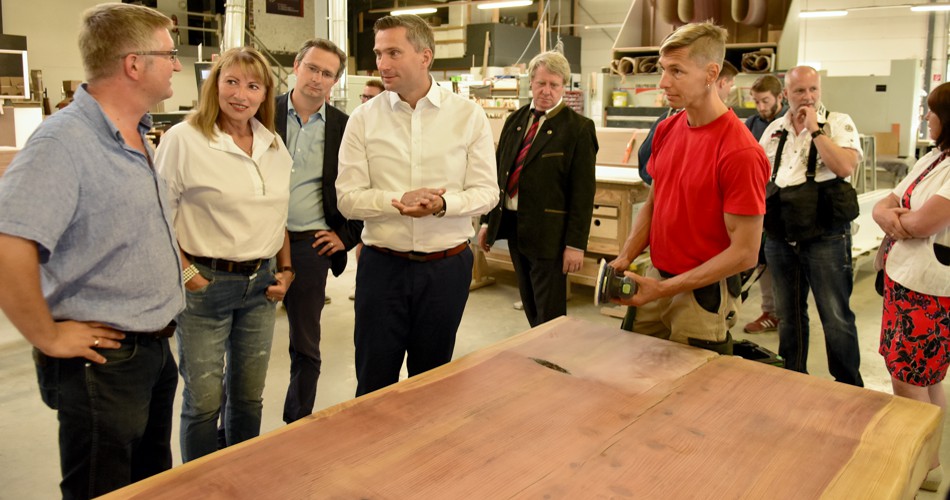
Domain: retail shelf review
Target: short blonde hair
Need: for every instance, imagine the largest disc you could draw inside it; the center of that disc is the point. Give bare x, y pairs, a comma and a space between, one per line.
553, 61
706, 42
112, 30
253, 63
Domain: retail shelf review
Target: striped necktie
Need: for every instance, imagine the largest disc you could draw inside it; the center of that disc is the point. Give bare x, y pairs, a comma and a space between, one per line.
523, 153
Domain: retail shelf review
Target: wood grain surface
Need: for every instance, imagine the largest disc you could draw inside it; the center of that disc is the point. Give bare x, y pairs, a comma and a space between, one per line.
575, 410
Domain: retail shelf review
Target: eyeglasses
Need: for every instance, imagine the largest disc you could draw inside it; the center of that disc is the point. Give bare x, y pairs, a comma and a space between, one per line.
172, 55
366, 97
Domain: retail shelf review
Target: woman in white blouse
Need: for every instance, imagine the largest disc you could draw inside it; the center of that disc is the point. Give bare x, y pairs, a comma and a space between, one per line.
229, 177
915, 329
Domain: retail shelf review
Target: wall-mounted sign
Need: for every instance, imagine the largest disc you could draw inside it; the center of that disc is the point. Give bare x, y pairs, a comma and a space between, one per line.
285, 7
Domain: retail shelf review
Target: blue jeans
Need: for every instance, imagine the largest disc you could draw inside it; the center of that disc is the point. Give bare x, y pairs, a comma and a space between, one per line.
115, 419
231, 316
824, 266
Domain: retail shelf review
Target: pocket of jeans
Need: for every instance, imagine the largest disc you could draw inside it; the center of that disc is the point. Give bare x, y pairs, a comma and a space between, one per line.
206, 275
708, 297
125, 352
47, 377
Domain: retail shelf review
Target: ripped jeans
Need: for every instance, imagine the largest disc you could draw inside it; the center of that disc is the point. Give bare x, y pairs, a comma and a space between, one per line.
231, 316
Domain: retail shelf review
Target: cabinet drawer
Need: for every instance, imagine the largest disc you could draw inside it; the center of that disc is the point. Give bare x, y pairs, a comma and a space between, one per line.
606, 211
603, 228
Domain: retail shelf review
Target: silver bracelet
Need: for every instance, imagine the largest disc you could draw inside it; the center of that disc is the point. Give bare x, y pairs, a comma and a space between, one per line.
188, 273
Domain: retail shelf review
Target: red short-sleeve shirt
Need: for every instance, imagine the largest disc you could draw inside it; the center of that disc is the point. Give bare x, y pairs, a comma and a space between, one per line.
699, 174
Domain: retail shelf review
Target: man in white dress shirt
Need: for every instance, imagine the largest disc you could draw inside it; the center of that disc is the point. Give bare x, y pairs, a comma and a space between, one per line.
416, 164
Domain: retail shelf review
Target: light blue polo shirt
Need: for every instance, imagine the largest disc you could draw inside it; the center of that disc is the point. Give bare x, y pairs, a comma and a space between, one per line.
98, 212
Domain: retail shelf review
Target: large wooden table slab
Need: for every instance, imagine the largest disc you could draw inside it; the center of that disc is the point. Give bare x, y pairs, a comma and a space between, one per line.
576, 410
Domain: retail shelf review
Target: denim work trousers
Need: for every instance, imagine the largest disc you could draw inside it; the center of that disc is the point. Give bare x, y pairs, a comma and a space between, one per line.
406, 310
824, 266
304, 303
115, 419
231, 316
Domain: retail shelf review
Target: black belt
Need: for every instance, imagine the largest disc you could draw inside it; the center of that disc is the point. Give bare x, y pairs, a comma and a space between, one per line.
228, 266
164, 333
302, 235
422, 256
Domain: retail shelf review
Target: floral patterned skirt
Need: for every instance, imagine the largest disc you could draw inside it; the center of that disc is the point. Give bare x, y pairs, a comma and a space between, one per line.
915, 335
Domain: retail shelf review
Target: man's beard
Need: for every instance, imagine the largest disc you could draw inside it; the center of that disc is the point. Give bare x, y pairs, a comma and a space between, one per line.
772, 113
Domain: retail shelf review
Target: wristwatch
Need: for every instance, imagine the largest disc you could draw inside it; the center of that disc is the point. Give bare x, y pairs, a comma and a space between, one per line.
441, 213
815, 134
188, 273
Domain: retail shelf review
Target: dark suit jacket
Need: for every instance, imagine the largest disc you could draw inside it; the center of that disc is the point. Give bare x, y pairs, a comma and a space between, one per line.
557, 183
348, 230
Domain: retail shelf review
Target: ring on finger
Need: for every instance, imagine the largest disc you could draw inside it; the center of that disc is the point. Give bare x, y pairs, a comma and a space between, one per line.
96, 343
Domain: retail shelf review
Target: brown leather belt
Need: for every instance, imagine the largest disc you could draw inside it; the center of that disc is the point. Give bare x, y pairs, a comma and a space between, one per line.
228, 266
164, 333
422, 256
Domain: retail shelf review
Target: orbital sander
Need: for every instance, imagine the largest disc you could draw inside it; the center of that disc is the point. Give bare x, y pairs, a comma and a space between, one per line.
612, 285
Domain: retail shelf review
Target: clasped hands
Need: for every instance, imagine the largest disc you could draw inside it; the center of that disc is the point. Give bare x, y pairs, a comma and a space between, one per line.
420, 203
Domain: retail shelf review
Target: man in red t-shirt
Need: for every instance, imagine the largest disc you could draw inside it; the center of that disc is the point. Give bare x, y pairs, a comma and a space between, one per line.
703, 216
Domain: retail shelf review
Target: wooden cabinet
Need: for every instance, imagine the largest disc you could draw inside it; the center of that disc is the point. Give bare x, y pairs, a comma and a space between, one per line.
502, 95
735, 52
645, 99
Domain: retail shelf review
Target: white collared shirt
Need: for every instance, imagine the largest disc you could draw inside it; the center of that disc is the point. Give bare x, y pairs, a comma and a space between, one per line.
390, 148
839, 128
226, 204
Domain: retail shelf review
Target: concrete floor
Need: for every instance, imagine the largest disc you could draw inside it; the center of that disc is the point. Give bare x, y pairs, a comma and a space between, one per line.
29, 463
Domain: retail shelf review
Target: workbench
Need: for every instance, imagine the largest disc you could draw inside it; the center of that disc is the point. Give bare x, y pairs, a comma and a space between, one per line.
571, 409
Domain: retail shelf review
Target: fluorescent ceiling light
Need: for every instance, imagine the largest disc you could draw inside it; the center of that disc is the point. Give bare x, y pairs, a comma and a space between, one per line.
823, 13
930, 8
502, 5
420, 11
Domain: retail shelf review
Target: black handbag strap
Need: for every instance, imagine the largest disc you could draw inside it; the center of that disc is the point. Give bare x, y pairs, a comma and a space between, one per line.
812, 155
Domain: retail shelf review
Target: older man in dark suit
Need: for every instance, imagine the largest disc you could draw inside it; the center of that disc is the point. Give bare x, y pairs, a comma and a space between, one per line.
546, 157
320, 236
